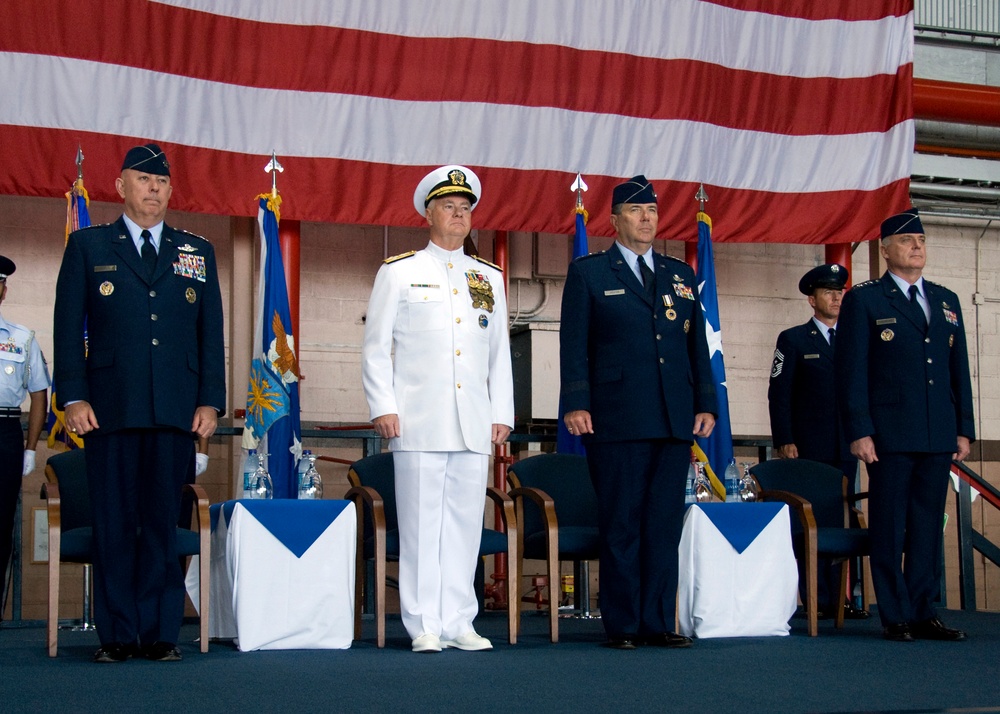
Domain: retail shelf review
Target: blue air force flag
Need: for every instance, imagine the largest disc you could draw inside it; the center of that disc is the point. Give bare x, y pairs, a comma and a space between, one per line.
272, 421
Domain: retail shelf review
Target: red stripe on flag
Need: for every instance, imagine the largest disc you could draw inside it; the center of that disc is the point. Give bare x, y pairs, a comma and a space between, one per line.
337, 60
851, 10
384, 197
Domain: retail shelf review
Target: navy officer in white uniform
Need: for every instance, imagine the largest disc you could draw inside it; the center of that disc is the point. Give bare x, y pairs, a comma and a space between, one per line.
443, 402
23, 373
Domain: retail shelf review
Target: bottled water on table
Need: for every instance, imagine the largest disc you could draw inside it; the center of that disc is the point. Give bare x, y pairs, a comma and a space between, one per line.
689, 486
732, 483
310, 482
249, 467
261, 486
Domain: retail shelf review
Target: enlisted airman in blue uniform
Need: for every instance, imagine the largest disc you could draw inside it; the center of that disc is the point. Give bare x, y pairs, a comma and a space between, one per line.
23, 373
802, 400
637, 384
150, 380
902, 369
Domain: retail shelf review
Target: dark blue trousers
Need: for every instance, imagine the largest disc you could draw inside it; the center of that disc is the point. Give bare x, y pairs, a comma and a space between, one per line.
135, 478
11, 465
906, 499
640, 499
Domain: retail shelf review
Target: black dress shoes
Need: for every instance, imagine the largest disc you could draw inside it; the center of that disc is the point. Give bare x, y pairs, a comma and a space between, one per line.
898, 633
854, 613
626, 642
114, 652
163, 652
934, 629
668, 639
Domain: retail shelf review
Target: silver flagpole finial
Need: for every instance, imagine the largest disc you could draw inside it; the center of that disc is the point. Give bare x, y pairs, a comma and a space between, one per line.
273, 167
701, 197
579, 185
79, 163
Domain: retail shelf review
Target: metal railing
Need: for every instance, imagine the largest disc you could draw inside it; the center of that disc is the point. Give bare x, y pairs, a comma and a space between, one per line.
966, 17
969, 539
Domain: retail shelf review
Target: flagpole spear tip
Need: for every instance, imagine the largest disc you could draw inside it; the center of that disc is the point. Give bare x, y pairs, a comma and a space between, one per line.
701, 197
79, 163
273, 167
579, 186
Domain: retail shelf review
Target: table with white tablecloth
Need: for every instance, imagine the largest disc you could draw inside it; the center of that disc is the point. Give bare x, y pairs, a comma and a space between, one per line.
282, 574
738, 576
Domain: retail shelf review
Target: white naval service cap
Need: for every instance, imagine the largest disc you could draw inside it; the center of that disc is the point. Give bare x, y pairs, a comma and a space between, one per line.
447, 181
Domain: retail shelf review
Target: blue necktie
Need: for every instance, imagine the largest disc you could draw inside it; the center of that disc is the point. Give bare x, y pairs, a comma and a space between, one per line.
648, 280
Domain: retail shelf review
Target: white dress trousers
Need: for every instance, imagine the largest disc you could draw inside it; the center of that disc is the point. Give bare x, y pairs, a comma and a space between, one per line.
437, 353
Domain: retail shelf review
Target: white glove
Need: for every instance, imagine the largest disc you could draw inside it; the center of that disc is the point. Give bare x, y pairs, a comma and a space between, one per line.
29, 462
200, 463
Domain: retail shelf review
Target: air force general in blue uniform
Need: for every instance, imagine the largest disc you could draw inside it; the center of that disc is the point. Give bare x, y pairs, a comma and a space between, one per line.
636, 383
151, 378
903, 371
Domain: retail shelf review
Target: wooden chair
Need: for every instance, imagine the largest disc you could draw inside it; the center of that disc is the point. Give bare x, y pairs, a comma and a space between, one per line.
817, 493
373, 491
562, 525
71, 538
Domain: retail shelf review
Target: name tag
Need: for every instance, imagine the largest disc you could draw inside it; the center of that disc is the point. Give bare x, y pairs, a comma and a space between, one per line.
886, 321
810, 356
105, 268
614, 292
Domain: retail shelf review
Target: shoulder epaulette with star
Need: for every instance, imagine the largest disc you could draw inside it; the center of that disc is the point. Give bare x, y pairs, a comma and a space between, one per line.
486, 262
674, 258
867, 284
401, 256
591, 255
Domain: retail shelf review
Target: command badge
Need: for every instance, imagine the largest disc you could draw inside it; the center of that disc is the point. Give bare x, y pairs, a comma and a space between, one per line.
687, 326
191, 295
887, 335
107, 287
484, 321
951, 340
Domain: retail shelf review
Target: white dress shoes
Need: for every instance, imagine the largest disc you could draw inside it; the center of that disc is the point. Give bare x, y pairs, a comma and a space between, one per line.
470, 642
427, 642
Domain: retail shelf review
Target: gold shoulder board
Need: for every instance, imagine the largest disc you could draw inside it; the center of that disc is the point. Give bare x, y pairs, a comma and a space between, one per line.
401, 256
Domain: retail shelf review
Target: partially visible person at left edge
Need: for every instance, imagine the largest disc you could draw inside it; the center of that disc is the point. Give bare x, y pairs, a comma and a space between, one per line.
151, 382
902, 369
23, 372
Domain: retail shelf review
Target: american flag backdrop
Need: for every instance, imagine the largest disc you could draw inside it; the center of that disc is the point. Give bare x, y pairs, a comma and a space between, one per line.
796, 115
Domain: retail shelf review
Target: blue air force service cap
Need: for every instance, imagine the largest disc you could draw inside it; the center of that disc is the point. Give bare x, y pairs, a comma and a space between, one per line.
830, 275
446, 181
148, 159
906, 222
6, 267
636, 190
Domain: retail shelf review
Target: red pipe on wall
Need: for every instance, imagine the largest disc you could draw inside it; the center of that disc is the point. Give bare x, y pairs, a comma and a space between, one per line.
289, 238
955, 102
840, 253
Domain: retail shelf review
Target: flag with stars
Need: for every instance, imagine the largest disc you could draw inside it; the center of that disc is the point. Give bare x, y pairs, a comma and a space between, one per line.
272, 421
717, 449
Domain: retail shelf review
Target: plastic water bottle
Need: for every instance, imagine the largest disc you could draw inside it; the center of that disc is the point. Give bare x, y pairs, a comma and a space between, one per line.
249, 467
303, 465
732, 483
689, 486
311, 483
261, 486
